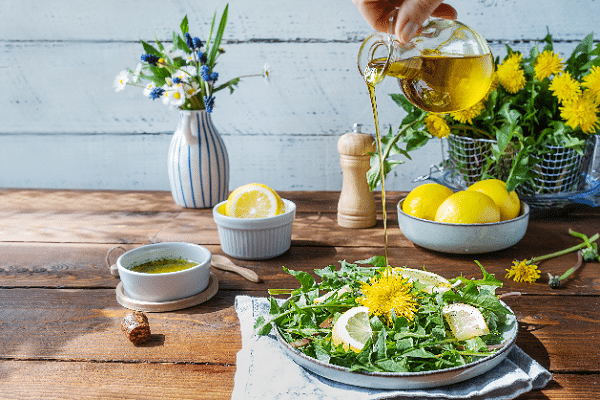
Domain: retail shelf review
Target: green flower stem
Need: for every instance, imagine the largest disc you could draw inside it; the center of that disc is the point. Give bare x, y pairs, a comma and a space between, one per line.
565, 251
555, 281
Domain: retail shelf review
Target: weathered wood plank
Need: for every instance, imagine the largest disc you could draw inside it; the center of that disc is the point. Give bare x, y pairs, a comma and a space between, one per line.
78, 380
315, 90
112, 381
68, 324
252, 20
84, 266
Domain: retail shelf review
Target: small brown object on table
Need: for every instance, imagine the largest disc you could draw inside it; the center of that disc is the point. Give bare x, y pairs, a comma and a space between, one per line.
60, 322
136, 327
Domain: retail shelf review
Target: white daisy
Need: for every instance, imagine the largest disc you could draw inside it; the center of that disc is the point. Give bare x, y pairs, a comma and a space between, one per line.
174, 95
121, 80
148, 89
267, 72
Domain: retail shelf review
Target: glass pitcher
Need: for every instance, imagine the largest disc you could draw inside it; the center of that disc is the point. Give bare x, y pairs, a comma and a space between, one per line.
447, 67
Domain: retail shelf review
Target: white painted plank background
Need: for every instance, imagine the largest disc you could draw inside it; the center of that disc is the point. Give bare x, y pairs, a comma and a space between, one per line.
63, 126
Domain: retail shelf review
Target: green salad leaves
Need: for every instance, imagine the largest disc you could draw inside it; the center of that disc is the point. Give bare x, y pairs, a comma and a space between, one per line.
397, 344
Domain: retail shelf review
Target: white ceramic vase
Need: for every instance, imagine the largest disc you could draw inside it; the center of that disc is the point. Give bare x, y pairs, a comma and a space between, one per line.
198, 162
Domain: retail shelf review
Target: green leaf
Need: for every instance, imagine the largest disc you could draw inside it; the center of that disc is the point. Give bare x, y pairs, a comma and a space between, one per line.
184, 25
376, 261
218, 36
149, 49
305, 279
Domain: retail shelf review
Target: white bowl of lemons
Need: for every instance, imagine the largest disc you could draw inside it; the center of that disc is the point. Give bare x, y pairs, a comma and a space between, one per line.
481, 219
254, 223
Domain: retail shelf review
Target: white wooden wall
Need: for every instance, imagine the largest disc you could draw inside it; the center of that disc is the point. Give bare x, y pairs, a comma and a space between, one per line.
63, 126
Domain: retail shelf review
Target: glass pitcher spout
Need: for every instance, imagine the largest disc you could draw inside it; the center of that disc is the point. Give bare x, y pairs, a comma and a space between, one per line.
447, 67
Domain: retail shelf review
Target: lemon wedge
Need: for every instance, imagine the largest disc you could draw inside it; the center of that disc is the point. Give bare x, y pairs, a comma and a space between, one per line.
352, 329
254, 200
465, 321
434, 283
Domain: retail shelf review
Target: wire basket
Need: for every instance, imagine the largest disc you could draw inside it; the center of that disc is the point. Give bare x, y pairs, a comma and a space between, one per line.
563, 176
557, 171
468, 157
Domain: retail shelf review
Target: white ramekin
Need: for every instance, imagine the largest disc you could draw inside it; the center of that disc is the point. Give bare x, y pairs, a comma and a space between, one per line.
255, 238
164, 286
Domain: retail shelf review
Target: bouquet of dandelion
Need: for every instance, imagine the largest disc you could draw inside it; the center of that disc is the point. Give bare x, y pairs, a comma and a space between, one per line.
182, 74
534, 102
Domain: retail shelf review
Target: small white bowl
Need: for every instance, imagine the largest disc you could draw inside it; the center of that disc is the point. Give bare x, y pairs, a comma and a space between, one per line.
169, 285
464, 238
255, 238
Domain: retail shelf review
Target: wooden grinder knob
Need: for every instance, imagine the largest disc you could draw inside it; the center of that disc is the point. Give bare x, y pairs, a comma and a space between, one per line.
356, 207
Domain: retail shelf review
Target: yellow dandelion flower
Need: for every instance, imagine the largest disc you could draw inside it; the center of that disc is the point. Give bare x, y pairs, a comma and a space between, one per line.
547, 64
592, 82
510, 74
582, 113
493, 85
523, 272
565, 88
513, 59
389, 292
437, 125
467, 115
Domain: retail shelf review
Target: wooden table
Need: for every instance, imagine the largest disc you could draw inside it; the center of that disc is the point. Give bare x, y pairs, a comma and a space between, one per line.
60, 335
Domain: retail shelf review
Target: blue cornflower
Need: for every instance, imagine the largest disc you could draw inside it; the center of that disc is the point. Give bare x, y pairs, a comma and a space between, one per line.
214, 76
177, 80
204, 73
189, 41
209, 102
150, 58
156, 93
202, 57
198, 43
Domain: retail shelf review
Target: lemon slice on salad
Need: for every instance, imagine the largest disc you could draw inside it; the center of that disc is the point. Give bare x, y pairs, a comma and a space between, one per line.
434, 283
254, 200
352, 329
465, 321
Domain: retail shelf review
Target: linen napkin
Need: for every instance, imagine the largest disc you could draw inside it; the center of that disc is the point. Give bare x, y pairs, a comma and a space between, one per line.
264, 372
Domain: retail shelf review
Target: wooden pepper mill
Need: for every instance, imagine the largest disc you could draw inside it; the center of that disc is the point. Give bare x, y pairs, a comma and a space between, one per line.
356, 207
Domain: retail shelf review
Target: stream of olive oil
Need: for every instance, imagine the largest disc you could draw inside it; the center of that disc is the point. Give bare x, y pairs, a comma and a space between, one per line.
371, 88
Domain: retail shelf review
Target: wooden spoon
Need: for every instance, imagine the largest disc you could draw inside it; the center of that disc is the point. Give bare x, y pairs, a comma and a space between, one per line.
225, 264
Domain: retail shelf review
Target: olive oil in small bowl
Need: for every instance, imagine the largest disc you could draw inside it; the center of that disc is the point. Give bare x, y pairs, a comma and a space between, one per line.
163, 266
164, 271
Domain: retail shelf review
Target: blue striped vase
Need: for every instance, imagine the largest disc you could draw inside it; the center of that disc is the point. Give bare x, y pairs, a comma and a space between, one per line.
198, 162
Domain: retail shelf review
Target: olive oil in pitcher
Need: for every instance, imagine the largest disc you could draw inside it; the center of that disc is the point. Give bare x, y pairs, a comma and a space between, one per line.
448, 67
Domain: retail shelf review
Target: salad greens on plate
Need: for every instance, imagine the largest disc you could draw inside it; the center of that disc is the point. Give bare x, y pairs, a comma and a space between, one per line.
409, 326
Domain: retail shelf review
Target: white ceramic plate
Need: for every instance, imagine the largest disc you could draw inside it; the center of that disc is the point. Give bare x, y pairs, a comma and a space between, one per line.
406, 380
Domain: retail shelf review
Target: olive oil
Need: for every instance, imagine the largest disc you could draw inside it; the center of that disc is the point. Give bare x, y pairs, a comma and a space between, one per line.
164, 265
436, 82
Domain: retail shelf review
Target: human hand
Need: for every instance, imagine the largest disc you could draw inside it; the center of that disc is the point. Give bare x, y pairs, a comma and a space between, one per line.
411, 15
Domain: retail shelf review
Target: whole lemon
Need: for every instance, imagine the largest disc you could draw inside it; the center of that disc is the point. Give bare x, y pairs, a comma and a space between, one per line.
508, 202
424, 200
468, 207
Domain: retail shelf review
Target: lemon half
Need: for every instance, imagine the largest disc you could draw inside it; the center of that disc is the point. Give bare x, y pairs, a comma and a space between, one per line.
352, 329
254, 200
465, 321
434, 283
